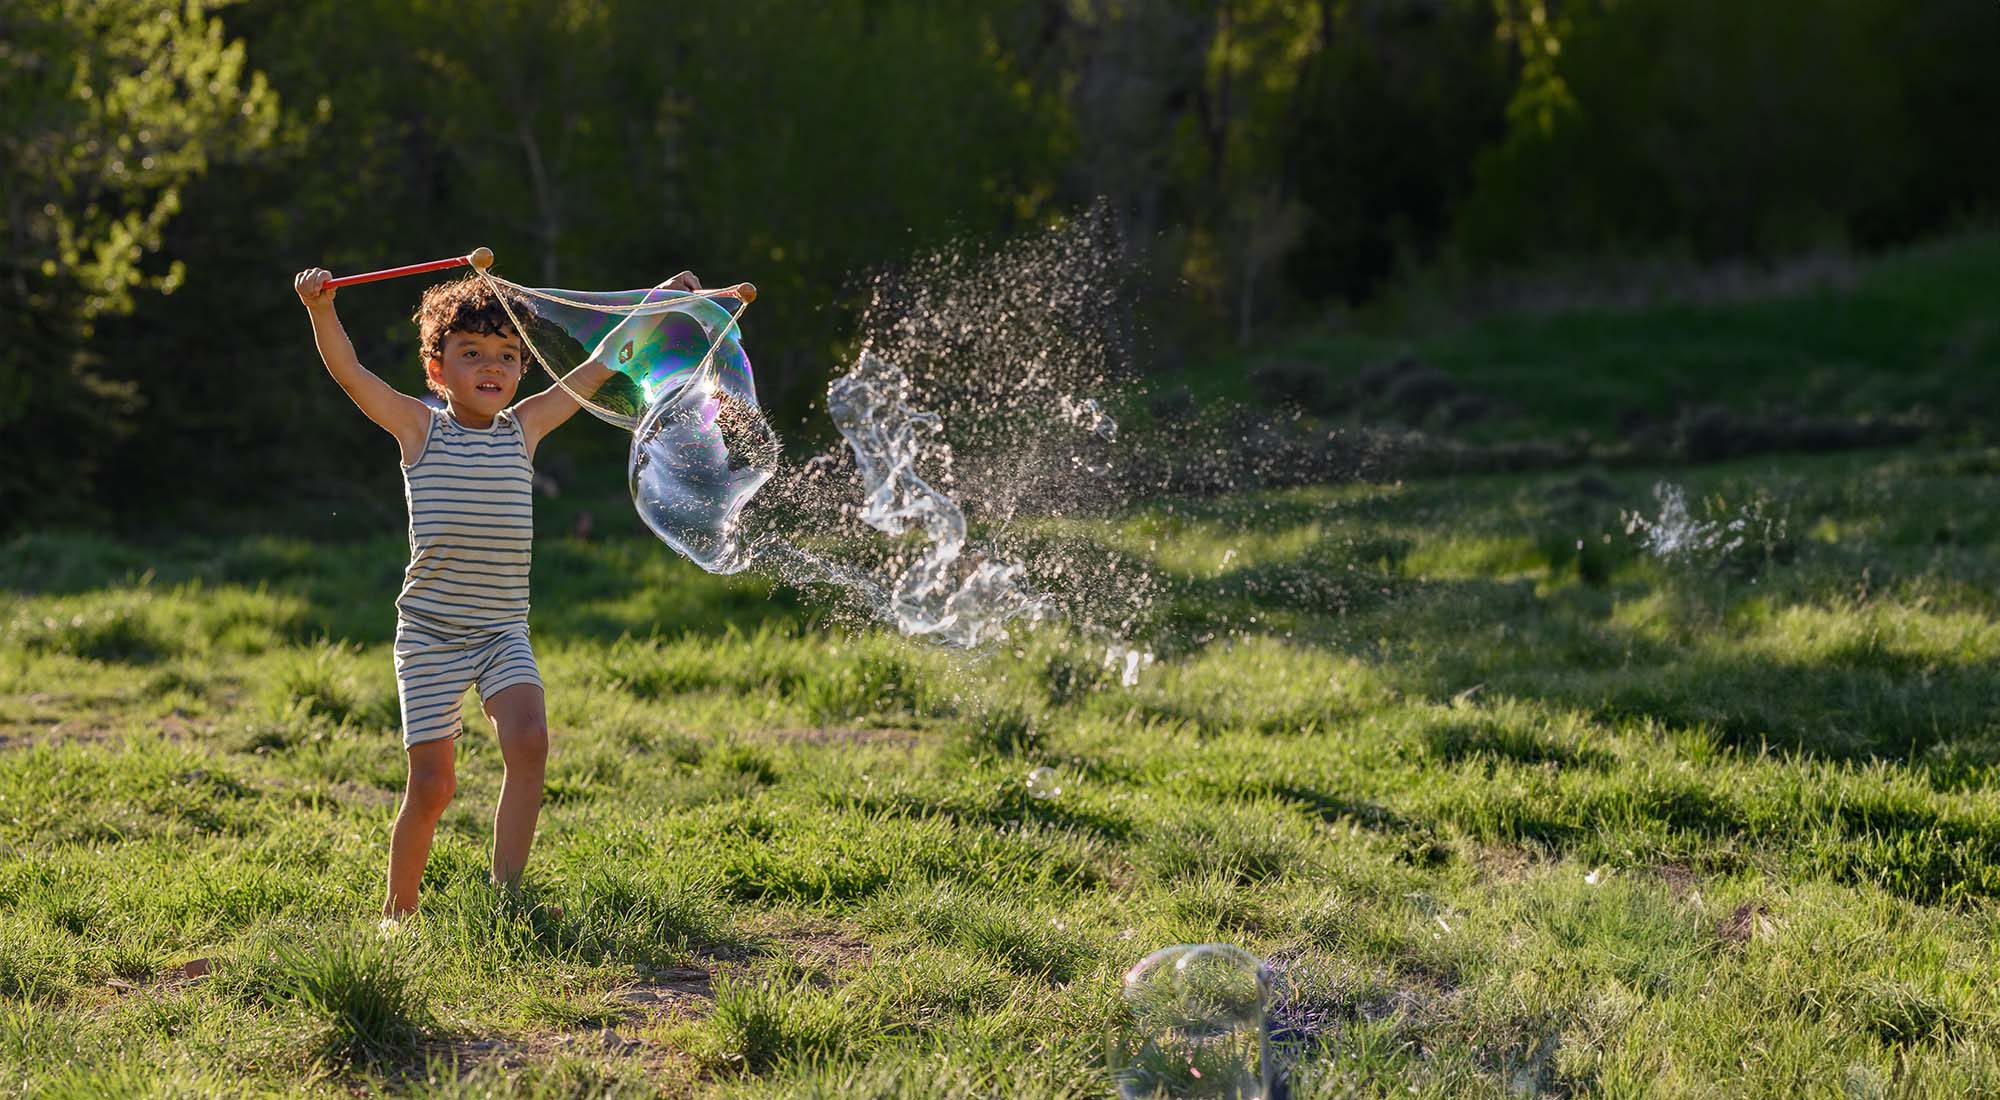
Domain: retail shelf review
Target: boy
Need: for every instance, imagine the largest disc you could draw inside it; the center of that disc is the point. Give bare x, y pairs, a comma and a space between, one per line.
462, 614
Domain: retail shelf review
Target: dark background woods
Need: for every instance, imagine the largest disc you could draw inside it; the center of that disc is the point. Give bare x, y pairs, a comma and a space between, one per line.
167, 167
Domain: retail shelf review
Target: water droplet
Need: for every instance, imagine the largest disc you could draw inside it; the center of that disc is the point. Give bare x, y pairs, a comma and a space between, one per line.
1044, 783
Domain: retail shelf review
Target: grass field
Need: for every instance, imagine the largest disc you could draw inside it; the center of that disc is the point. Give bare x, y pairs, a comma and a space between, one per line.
1912, 334
1516, 809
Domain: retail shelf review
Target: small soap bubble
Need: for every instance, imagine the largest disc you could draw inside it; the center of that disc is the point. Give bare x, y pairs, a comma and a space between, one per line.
1197, 1025
1044, 783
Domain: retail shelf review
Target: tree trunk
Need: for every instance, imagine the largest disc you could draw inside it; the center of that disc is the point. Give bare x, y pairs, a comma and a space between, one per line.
545, 199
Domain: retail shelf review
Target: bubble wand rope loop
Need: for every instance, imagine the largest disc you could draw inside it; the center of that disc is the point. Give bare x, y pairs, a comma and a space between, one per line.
493, 284
745, 293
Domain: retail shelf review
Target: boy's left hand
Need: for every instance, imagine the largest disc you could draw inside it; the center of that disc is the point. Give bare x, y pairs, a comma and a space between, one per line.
684, 281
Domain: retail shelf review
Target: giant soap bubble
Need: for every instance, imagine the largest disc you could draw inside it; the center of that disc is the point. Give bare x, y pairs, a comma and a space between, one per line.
668, 366
698, 455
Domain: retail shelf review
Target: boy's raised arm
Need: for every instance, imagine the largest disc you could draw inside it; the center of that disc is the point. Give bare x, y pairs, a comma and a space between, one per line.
397, 413
545, 412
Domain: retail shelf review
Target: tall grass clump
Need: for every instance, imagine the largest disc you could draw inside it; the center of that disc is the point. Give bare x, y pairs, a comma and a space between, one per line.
366, 1004
33, 967
758, 1025
651, 922
328, 680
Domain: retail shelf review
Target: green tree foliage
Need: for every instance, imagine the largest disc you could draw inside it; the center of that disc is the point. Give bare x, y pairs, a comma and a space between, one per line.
1263, 157
1282, 151
1394, 108
589, 144
1182, 110
108, 108
1735, 129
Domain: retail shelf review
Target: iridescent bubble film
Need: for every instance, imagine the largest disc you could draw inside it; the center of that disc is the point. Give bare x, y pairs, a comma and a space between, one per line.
653, 341
668, 365
697, 457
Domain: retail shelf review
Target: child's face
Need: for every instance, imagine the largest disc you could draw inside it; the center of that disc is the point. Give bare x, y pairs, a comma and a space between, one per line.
480, 371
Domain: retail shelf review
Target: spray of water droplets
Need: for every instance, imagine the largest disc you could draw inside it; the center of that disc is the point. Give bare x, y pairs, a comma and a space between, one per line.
1678, 535
974, 423
944, 591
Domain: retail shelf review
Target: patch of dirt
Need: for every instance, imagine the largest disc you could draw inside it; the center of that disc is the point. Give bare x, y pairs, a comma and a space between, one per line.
1504, 862
70, 730
840, 735
1679, 879
539, 1047
671, 1069
1752, 920
173, 977
835, 952
674, 991
827, 947
824, 948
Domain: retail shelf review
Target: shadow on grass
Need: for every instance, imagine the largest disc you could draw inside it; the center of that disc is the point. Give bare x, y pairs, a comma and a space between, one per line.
347, 590
1418, 841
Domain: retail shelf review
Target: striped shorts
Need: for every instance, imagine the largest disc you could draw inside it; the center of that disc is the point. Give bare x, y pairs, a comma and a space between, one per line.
433, 671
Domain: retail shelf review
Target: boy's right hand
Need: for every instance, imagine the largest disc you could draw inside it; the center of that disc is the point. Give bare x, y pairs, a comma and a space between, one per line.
312, 288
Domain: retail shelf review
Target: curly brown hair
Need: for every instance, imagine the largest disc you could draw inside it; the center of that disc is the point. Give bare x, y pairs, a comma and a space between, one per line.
469, 304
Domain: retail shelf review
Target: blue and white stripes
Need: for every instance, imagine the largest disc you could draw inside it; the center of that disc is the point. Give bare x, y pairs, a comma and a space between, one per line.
470, 494
432, 674
462, 616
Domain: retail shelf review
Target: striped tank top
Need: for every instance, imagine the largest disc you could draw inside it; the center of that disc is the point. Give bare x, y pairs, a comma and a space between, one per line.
471, 499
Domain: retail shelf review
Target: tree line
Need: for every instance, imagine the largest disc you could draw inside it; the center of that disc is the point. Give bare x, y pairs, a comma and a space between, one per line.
167, 164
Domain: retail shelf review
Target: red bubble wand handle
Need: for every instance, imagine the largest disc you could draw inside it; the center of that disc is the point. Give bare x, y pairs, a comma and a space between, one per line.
481, 258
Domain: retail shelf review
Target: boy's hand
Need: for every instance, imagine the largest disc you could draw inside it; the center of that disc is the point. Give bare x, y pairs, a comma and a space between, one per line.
684, 281
312, 288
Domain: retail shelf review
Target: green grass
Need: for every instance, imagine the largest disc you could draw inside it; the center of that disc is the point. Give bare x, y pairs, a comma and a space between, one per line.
1515, 808
1912, 334
1512, 817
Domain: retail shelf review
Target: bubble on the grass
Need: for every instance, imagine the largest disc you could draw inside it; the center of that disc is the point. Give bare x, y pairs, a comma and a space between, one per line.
1197, 1025
1044, 783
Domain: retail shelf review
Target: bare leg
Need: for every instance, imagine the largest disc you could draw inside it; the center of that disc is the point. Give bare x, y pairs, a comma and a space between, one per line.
523, 728
432, 783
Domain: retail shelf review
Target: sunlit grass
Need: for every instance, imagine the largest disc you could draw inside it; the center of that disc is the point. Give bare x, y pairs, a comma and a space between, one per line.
1911, 331
1510, 817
